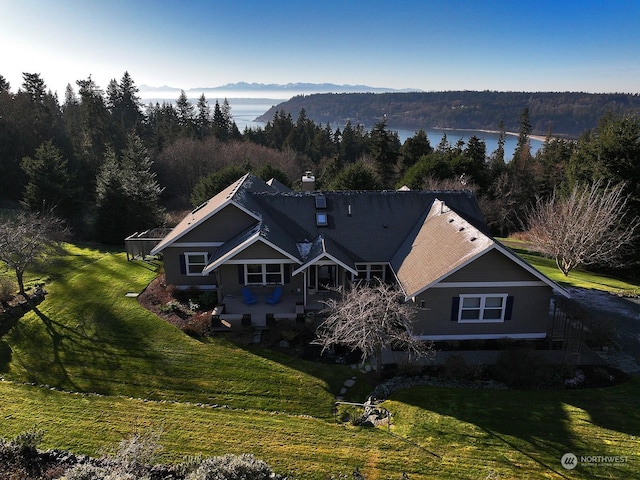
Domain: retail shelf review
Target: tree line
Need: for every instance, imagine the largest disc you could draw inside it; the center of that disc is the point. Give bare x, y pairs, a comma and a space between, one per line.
111, 166
566, 114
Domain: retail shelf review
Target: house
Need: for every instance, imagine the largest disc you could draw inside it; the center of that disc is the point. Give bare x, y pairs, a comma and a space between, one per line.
254, 236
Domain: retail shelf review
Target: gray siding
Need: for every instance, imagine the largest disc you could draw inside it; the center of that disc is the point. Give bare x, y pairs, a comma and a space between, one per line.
530, 312
173, 275
224, 225
261, 251
231, 285
493, 266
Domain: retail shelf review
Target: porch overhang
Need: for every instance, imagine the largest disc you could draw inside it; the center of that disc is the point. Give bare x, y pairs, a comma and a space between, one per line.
320, 258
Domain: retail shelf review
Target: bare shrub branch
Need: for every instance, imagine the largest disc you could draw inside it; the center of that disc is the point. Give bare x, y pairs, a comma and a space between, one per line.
589, 226
368, 318
26, 238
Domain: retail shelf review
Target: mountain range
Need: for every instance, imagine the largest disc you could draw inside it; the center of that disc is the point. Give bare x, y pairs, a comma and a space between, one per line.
290, 89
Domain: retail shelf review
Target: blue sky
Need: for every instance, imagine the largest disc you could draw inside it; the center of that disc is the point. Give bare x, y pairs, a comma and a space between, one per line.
560, 45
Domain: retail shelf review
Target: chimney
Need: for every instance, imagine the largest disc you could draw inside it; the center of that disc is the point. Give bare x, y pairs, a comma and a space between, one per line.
308, 182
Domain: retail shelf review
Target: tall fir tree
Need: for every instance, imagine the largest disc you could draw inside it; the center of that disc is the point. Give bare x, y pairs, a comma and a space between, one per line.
49, 188
127, 194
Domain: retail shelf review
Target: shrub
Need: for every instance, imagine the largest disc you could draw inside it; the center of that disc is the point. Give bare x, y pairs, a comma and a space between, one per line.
131, 461
522, 368
600, 332
232, 467
8, 288
456, 368
207, 300
19, 456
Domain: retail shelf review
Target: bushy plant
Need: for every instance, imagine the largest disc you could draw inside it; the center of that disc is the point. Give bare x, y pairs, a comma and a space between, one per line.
456, 368
131, 461
8, 288
232, 467
600, 332
18, 457
522, 368
208, 300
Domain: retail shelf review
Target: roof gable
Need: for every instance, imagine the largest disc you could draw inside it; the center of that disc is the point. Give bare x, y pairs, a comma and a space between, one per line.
236, 194
441, 243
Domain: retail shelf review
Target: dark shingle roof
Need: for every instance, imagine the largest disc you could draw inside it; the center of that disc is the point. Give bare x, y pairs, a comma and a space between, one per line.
369, 226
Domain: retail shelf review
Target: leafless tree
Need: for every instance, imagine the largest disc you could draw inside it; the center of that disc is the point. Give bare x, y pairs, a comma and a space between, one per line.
369, 318
589, 226
26, 238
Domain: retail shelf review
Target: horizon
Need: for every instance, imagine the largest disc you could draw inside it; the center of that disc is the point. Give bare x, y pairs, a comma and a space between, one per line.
438, 45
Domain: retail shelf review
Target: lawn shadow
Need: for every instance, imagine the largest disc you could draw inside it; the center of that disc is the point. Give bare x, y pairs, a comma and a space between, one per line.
542, 425
85, 354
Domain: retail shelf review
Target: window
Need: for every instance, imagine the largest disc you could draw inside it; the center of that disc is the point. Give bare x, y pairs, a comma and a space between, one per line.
369, 271
264, 273
195, 263
253, 274
482, 308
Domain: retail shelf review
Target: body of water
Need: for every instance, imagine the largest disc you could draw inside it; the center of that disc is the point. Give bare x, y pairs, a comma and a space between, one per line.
246, 110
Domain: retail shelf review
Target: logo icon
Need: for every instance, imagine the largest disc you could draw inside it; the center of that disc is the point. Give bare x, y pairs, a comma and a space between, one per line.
569, 461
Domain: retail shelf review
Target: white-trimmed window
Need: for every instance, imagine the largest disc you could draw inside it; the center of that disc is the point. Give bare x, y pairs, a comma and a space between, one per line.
195, 263
489, 308
369, 271
264, 274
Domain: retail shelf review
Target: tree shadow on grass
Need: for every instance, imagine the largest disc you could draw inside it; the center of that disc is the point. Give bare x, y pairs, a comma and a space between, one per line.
541, 425
85, 356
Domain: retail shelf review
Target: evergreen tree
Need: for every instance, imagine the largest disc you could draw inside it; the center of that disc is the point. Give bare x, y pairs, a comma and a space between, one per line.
163, 125
185, 114
384, 147
112, 202
278, 129
212, 184
221, 123
351, 145
5, 86
522, 153
268, 171
203, 119
125, 109
497, 164
356, 176
444, 146
93, 137
415, 147
127, 194
50, 187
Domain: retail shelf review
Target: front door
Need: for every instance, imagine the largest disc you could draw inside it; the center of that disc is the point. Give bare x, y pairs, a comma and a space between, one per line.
327, 277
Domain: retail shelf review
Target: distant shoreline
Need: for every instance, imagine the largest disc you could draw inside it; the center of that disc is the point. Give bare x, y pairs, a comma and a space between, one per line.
539, 138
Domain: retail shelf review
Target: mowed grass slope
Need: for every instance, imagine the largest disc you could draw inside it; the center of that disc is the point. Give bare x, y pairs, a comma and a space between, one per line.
89, 337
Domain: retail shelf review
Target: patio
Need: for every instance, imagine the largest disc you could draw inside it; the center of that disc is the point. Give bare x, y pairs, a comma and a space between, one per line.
233, 313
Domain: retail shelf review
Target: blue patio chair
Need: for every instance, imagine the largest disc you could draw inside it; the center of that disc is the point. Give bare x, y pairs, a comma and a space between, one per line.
274, 298
248, 297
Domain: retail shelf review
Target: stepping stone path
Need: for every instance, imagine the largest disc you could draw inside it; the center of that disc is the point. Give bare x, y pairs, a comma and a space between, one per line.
350, 382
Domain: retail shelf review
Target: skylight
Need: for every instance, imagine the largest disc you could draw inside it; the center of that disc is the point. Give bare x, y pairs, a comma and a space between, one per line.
321, 219
321, 201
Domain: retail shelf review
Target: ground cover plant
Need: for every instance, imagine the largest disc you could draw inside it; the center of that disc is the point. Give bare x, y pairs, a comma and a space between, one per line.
93, 366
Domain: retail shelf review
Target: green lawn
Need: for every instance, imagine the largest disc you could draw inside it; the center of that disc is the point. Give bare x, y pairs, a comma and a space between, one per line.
579, 277
89, 337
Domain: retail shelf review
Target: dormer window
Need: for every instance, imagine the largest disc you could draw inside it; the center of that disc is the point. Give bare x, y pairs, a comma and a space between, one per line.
321, 219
